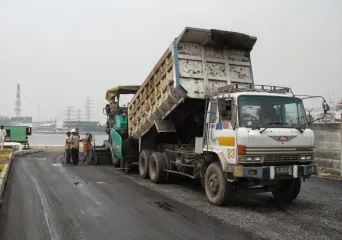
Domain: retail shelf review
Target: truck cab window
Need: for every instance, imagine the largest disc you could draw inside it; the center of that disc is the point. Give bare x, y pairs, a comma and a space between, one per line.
270, 111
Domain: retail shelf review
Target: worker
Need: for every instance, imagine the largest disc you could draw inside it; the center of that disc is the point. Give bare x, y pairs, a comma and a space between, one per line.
89, 151
75, 144
268, 114
85, 147
80, 140
68, 147
3, 135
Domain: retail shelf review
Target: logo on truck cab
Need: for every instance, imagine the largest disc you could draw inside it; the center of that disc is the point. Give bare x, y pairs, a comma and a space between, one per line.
283, 139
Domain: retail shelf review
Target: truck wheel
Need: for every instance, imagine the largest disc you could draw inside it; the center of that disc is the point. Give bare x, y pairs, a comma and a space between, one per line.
217, 188
289, 191
156, 167
144, 160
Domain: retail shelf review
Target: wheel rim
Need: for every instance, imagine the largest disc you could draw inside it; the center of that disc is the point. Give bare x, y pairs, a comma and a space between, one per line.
213, 184
153, 169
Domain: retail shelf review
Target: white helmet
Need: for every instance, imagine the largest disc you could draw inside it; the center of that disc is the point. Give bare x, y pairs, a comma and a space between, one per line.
73, 130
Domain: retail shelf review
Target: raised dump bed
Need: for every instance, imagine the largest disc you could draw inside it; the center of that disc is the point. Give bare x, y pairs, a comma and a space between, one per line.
197, 63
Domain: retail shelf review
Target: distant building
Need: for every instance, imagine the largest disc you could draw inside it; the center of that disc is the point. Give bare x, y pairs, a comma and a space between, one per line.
84, 126
4, 120
45, 128
21, 121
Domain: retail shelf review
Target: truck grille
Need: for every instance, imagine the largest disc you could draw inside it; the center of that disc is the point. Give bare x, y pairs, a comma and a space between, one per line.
281, 158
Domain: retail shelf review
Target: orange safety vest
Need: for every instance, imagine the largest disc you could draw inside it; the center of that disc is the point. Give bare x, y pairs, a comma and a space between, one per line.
85, 147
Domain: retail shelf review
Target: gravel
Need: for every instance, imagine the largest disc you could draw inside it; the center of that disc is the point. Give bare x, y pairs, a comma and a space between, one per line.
315, 214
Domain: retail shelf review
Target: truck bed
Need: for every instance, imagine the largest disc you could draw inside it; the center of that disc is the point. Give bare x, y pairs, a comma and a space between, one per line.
194, 66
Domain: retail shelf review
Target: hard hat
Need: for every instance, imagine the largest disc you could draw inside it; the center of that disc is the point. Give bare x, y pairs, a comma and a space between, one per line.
73, 130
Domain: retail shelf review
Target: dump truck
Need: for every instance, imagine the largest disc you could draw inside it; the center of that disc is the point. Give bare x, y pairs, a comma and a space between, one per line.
199, 114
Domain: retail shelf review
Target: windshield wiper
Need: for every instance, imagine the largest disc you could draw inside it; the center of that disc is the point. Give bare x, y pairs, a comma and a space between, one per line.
300, 129
263, 130
270, 124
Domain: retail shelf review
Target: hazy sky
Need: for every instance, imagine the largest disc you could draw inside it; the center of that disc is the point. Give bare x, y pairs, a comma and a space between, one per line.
62, 51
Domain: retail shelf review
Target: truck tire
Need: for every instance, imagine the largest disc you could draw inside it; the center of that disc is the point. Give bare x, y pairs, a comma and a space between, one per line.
289, 191
156, 167
144, 160
217, 188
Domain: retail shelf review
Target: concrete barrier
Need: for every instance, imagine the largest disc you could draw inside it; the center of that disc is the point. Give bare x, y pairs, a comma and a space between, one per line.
4, 174
328, 147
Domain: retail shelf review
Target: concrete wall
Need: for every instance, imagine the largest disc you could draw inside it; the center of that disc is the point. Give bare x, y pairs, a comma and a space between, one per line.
328, 146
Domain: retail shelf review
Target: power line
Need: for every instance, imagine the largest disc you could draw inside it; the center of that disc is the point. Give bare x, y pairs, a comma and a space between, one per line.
88, 106
69, 113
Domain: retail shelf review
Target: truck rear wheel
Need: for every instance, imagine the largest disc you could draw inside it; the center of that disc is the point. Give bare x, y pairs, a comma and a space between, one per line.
217, 188
289, 191
144, 160
156, 167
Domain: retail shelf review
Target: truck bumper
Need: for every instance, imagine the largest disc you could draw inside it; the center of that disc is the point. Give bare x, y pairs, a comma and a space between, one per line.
276, 172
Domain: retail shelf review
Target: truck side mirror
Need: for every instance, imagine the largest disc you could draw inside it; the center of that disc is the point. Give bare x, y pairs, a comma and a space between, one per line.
325, 106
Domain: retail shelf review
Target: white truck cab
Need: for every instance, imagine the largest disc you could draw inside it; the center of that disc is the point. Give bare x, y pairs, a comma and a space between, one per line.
261, 136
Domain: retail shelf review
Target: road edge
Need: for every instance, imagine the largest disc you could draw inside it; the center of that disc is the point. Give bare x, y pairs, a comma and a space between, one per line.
6, 169
23, 152
4, 174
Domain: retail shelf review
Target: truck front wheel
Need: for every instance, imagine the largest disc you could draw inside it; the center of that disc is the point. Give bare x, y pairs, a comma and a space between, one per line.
156, 167
289, 191
144, 160
217, 188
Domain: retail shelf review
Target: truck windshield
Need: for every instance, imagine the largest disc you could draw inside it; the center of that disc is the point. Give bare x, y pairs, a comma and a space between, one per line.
271, 111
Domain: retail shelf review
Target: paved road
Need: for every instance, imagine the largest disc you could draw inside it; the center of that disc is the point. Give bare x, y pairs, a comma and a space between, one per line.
315, 214
45, 200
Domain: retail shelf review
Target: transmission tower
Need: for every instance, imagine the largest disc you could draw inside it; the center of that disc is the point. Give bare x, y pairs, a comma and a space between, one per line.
79, 113
17, 110
88, 108
68, 113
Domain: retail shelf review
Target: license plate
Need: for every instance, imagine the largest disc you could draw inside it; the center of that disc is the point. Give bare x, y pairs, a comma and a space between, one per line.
283, 170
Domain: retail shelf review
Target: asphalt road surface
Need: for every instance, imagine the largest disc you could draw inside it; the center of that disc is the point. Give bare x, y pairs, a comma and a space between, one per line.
44, 200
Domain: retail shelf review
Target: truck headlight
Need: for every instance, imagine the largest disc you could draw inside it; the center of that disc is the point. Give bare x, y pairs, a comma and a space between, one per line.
257, 159
249, 159
303, 158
